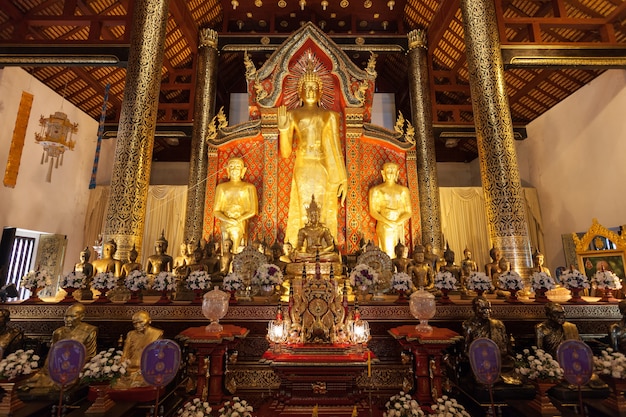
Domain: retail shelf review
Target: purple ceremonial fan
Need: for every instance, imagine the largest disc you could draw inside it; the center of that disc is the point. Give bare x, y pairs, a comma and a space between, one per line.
484, 357
159, 362
66, 360
576, 359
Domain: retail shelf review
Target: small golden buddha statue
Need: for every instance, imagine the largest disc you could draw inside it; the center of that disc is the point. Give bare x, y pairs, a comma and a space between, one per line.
160, 261
132, 265
468, 265
315, 238
401, 261
492, 269
450, 266
390, 205
236, 203
420, 271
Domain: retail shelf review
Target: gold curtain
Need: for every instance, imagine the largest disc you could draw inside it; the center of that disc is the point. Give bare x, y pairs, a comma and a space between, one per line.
464, 222
165, 210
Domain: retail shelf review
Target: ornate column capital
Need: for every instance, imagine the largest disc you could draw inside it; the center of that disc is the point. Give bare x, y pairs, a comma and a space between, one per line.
417, 39
208, 38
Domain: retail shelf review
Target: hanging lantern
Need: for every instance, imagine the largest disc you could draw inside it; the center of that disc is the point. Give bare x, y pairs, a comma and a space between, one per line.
55, 137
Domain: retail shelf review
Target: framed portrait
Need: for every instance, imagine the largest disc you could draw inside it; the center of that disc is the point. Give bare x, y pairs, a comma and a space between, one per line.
592, 261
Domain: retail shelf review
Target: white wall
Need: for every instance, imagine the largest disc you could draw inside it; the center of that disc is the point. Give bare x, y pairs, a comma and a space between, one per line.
34, 204
574, 156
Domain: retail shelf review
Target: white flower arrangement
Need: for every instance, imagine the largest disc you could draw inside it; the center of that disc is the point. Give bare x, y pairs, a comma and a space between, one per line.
35, 279
137, 280
401, 281
444, 280
448, 407
538, 365
607, 280
21, 362
164, 281
268, 274
236, 408
511, 280
539, 280
195, 408
74, 279
104, 281
363, 276
403, 405
610, 363
199, 280
232, 282
479, 281
107, 365
574, 279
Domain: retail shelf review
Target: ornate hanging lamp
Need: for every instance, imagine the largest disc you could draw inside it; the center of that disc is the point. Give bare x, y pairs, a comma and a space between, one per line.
55, 137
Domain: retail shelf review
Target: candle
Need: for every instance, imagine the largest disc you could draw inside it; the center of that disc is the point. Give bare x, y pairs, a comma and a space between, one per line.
369, 365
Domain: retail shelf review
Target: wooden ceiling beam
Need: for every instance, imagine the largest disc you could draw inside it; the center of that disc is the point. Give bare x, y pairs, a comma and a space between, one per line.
441, 22
185, 22
114, 100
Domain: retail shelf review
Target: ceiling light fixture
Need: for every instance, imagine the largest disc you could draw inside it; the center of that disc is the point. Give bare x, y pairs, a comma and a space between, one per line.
282, 4
302, 3
258, 3
390, 4
344, 3
367, 4
324, 4
235, 3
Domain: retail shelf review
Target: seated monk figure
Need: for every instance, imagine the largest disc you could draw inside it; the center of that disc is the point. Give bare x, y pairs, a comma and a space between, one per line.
617, 331
11, 338
315, 238
482, 325
75, 329
136, 341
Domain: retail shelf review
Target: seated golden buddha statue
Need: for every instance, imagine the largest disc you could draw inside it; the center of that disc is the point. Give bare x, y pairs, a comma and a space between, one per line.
315, 238
132, 264
135, 343
159, 261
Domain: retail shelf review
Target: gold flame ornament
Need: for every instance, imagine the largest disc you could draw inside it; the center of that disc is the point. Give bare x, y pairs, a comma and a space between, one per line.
55, 137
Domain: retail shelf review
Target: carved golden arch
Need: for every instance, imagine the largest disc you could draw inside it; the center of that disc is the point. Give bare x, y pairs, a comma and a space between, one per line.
594, 251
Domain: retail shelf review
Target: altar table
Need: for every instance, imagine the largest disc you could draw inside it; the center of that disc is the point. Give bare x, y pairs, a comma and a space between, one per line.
213, 346
427, 350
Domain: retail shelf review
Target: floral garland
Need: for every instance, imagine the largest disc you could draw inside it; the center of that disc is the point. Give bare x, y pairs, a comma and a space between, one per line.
607, 280
35, 279
268, 274
74, 279
448, 407
232, 282
195, 408
538, 365
199, 280
574, 279
479, 281
401, 281
236, 408
539, 280
363, 276
104, 281
610, 363
136, 281
444, 280
20, 362
164, 281
107, 365
403, 405
511, 280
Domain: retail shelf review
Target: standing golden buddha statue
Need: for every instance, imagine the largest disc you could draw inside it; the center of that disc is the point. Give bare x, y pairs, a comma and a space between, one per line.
319, 167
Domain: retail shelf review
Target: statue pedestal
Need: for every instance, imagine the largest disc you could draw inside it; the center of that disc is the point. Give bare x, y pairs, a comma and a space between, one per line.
324, 375
426, 346
295, 268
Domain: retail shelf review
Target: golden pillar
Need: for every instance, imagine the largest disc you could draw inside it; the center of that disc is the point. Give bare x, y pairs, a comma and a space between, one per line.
204, 109
422, 116
499, 172
126, 211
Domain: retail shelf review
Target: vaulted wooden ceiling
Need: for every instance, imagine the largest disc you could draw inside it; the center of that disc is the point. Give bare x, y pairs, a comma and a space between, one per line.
550, 49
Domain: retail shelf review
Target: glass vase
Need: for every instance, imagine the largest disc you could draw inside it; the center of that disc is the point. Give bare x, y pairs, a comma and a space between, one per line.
214, 307
423, 307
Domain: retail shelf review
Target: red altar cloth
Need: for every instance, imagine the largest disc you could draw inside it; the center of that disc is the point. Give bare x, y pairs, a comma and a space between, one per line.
213, 345
426, 347
316, 354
